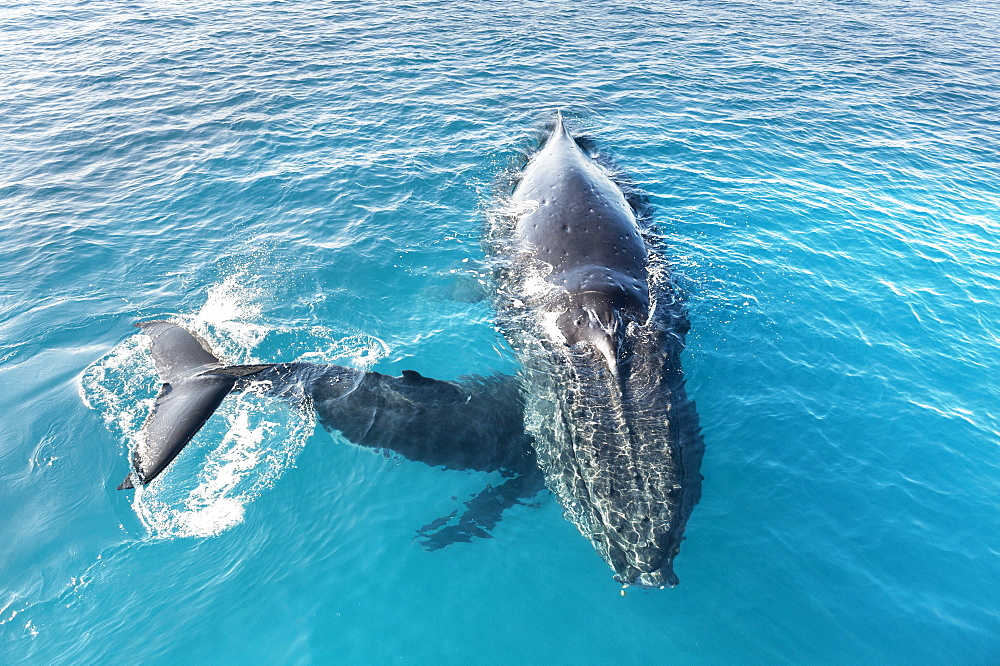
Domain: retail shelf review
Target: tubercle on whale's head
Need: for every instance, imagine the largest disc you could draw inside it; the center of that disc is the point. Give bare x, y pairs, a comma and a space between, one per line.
654, 580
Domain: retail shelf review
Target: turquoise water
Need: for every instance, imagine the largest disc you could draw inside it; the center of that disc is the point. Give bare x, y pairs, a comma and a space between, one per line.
308, 181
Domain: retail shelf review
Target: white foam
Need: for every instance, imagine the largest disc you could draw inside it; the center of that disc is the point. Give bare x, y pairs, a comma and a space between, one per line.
122, 387
359, 351
228, 320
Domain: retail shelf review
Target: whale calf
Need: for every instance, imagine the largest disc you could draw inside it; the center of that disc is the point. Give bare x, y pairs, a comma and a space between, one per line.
473, 423
599, 412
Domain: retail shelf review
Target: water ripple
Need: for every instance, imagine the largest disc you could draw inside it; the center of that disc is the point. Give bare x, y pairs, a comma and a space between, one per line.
825, 176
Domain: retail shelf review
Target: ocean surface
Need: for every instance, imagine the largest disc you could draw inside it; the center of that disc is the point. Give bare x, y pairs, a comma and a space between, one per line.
310, 180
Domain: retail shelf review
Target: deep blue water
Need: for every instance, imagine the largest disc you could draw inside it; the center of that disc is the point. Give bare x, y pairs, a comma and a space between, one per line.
309, 180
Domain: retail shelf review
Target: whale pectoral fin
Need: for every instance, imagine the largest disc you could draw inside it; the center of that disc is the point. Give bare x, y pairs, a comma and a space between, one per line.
482, 513
435, 525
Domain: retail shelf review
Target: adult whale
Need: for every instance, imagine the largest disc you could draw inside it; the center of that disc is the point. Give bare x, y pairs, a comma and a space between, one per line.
586, 302
601, 411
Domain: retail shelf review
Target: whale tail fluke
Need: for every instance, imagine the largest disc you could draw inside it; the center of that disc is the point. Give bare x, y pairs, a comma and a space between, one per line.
195, 382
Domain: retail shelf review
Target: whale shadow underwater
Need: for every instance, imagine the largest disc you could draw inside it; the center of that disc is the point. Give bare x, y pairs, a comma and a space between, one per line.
598, 414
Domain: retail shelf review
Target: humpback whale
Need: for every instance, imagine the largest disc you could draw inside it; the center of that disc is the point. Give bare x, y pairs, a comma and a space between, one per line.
474, 423
599, 413
588, 306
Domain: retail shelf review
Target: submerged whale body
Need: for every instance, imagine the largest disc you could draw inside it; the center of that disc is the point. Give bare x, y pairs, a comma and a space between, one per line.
599, 412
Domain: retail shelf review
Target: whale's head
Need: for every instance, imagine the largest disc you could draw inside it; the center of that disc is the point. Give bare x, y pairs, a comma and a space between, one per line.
633, 505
